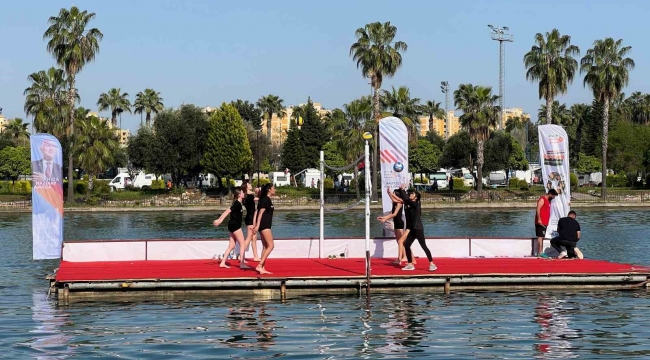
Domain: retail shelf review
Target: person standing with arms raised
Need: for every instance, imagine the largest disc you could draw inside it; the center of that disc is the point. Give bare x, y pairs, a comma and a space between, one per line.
264, 223
542, 218
416, 229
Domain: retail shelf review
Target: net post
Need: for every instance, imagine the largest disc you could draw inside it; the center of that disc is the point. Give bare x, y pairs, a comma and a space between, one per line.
321, 236
367, 176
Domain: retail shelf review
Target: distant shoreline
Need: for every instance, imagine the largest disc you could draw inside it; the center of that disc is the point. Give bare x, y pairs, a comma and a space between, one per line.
492, 205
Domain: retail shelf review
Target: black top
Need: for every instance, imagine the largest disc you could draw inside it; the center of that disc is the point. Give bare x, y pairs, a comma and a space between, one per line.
249, 203
236, 212
267, 217
568, 229
413, 212
398, 223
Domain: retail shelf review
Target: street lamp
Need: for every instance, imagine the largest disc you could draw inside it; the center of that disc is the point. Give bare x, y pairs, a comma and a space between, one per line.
444, 87
501, 34
258, 155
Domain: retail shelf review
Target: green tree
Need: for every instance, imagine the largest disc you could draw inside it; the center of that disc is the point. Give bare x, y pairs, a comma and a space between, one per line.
145, 152
15, 161
18, 132
293, 151
269, 105
73, 46
560, 115
479, 116
629, 142
424, 157
503, 152
638, 107
588, 164
46, 101
94, 147
333, 157
314, 134
607, 70
148, 102
260, 148
227, 150
116, 101
250, 113
459, 152
378, 55
401, 105
433, 137
550, 62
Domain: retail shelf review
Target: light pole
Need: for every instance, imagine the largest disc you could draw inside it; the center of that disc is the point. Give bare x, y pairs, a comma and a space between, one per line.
501, 34
444, 87
257, 155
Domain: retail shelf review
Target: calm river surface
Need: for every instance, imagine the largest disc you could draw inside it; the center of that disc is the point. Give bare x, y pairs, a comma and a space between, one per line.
586, 325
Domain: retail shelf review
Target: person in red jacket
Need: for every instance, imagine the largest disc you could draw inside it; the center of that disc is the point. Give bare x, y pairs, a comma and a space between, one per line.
542, 217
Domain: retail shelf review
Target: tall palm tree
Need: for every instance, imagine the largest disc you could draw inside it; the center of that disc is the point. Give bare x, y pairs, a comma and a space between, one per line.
400, 103
560, 114
637, 107
17, 130
607, 71
95, 144
113, 100
378, 56
46, 101
148, 102
433, 110
269, 105
550, 62
479, 117
73, 46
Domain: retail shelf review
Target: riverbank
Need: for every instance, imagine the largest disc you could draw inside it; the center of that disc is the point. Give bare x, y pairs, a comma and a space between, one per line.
374, 206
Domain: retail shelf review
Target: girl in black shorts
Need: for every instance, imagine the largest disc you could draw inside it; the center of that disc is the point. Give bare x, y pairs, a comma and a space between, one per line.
398, 224
249, 204
263, 224
236, 212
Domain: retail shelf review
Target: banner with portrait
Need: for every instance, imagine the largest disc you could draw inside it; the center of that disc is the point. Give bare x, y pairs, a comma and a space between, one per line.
47, 196
394, 156
554, 160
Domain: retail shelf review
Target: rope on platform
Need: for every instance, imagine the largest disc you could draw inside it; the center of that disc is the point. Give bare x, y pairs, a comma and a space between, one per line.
343, 168
337, 211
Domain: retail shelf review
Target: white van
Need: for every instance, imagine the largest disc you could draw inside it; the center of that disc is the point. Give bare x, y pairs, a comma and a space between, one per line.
497, 179
143, 180
120, 181
310, 175
280, 178
441, 179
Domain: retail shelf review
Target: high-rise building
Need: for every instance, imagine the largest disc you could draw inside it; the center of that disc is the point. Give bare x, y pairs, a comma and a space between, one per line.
280, 126
439, 124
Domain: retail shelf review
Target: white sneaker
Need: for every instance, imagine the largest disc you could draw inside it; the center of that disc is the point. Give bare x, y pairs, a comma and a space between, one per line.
562, 255
579, 253
409, 267
433, 267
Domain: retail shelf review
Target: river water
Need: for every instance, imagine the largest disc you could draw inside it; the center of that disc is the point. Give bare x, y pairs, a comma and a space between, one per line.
546, 324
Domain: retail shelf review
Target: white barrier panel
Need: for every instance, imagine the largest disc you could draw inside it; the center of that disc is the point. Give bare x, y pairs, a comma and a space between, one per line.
105, 251
501, 247
184, 250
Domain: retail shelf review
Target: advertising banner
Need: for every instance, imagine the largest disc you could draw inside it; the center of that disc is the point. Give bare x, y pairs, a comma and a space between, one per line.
554, 160
393, 156
47, 196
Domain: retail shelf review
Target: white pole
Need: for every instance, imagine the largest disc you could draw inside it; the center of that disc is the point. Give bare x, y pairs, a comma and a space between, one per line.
321, 238
367, 172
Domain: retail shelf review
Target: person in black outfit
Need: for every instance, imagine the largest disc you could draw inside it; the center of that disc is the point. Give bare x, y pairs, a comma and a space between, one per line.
264, 223
414, 212
398, 224
569, 235
249, 204
234, 227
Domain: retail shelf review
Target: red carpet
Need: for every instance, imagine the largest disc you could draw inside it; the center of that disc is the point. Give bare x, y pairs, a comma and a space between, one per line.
330, 268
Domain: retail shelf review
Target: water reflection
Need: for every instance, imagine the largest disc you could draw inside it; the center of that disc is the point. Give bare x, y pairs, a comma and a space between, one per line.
244, 321
555, 334
48, 337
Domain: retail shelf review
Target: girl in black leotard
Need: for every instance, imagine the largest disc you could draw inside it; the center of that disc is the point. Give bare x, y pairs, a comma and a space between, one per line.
236, 212
398, 224
249, 204
414, 214
264, 223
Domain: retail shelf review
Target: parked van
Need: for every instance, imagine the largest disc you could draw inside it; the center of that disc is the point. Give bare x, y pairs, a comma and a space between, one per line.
308, 176
497, 179
441, 179
143, 180
120, 181
280, 178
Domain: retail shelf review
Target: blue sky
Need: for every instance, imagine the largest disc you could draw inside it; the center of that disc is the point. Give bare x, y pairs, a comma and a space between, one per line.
208, 52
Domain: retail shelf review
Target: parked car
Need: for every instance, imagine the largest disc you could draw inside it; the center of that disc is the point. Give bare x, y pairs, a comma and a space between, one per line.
497, 179
468, 180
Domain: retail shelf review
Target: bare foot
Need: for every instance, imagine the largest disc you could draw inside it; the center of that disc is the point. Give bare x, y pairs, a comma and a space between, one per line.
223, 265
256, 259
262, 271
258, 268
244, 266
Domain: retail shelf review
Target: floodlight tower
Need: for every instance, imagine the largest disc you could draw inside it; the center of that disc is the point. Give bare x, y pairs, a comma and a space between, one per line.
444, 87
501, 34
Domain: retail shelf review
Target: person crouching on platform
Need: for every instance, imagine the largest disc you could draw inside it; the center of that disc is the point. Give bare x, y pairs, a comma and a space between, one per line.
416, 229
542, 217
569, 235
234, 227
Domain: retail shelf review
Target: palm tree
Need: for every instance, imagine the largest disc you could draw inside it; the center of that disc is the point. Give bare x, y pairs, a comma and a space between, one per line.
560, 114
479, 117
46, 101
637, 107
148, 102
378, 56
433, 110
270, 104
17, 130
402, 106
73, 46
114, 100
94, 146
607, 71
550, 62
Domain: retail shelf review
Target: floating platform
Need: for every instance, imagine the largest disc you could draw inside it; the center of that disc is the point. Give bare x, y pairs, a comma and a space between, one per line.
181, 279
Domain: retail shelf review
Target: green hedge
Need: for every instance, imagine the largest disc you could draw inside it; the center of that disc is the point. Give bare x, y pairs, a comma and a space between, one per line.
573, 179
158, 184
516, 183
328, 183
21, 187
459, 183
619, 180
261, 182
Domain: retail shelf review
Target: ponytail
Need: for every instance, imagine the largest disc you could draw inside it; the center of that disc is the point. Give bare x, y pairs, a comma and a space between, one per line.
264, 192
238, 192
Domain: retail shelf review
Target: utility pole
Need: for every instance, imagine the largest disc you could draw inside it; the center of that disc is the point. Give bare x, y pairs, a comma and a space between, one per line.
501, 34
444, 87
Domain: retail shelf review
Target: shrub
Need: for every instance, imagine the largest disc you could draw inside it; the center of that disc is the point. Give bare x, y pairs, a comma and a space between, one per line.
328, 183
573, 180
424, 180
22, 187
619, 180
81, 187
157, 184
101, 187
261, 182
514, 183
458, 183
